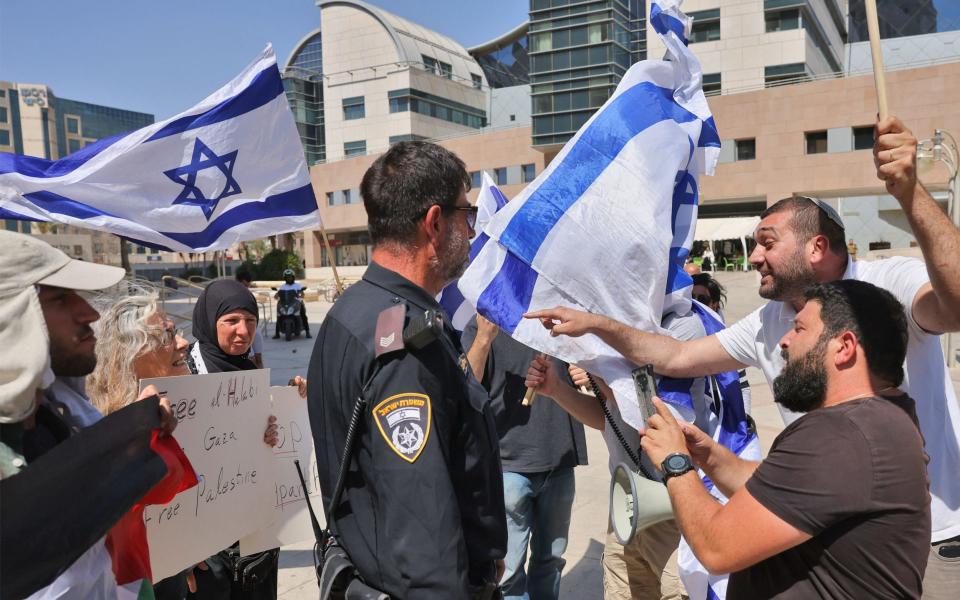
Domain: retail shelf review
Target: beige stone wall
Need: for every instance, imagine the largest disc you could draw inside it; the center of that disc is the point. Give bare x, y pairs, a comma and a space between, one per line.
923, 98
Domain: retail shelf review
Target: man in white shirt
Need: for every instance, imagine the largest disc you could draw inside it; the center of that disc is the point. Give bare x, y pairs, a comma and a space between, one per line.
290, 284
801, 241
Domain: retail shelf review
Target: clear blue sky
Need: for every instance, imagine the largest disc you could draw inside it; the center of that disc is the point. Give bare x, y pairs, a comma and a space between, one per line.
164, 56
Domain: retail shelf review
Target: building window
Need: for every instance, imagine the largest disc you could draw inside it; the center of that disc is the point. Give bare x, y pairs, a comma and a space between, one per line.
746, 149
3, 114
711, 84
4, 137
10, 225
706, 25
77, 250
74, 145
3, 93
140, 249
407, 137
437, 67
816, 142
782, 20
528, 173
358, 148
477, 80
863, 137
437, 107
331, 199
73, 125
476, 179
347, 197
353, 108
500, 174
784, 74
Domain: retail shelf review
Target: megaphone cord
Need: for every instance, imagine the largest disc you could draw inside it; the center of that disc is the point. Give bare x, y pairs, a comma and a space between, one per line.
602, 399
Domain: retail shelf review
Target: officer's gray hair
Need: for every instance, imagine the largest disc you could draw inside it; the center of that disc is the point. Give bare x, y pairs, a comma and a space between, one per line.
123, 334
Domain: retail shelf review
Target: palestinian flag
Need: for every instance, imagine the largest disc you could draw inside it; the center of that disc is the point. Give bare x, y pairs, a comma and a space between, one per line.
84, 499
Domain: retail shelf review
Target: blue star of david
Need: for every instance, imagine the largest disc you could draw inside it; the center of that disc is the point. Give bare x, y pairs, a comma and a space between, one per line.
204, 158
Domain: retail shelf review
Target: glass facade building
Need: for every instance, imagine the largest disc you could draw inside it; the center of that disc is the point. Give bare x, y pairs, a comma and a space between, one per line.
506, 60
579, 51
303, 84
92, 122
897, 18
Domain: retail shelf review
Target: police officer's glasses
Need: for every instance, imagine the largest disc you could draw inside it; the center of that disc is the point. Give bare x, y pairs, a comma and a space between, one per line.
470, 210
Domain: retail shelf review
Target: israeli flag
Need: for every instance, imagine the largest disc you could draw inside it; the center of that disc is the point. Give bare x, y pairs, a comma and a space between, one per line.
728, 424
229, 169
489, 201
607, 226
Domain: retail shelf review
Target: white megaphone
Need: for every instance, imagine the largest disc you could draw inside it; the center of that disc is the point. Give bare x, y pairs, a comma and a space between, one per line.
636, 503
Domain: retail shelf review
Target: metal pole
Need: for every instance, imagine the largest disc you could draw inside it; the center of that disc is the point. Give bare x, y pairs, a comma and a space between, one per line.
330, 259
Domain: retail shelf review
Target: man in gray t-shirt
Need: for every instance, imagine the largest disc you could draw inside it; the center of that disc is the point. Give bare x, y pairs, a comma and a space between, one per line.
540, 444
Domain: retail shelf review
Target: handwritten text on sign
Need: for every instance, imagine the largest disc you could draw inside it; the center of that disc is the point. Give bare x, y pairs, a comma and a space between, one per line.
221, 421
292, 523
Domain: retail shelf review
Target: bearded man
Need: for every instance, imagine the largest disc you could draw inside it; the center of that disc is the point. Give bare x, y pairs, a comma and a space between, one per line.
422, 513
840, 507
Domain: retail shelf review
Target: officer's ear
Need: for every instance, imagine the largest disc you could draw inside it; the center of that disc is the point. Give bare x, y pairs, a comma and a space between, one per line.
432, 221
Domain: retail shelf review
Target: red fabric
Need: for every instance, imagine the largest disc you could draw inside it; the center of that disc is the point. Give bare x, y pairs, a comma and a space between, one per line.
127, 540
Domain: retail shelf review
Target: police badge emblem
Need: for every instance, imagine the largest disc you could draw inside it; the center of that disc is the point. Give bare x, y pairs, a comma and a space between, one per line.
404, 423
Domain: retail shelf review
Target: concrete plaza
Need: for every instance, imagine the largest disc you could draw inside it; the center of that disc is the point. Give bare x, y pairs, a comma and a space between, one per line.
582, 577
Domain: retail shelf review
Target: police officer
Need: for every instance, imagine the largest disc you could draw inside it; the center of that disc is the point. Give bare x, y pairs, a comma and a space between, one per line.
422, 513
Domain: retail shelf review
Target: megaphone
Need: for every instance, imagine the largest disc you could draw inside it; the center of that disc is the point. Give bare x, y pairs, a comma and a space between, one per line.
636, 503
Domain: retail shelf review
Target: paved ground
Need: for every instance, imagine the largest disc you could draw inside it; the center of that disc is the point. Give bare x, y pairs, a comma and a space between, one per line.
582, 577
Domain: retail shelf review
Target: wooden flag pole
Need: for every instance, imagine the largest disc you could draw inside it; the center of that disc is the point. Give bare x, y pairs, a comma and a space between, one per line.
879, 77
330, 259
531, 392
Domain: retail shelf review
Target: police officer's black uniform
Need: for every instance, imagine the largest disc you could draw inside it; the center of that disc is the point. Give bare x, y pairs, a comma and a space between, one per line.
422, 511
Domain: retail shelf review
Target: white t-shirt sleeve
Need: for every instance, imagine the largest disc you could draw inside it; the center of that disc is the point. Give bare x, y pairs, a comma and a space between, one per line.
740, 339
901, 276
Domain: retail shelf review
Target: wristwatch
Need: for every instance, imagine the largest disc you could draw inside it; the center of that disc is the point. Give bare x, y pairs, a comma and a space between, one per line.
675, 464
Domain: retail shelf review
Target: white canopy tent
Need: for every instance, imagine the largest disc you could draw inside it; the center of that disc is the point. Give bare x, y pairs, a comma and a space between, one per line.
727, 228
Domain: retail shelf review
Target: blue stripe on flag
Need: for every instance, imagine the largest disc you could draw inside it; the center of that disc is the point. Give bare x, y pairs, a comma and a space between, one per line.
662, 23
677, 278
263, 89
477, 245
613, 127
709, 136
9, 214
297, 202
676, 391
32, 166
507, 297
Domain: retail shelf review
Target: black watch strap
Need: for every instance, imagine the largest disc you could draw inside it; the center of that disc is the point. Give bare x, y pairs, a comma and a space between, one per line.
675, 465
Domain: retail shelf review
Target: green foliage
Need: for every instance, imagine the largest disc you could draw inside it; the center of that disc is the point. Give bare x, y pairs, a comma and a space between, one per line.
273, 264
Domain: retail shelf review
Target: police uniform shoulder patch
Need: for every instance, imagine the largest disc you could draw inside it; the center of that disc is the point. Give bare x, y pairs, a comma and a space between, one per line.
404, 422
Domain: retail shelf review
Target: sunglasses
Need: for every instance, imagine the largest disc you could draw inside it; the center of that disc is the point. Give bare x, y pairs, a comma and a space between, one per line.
827, 210
168, 336
470, 210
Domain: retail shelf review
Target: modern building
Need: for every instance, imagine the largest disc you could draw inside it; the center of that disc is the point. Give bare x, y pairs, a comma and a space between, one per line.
789, 94
896, 18
35, 122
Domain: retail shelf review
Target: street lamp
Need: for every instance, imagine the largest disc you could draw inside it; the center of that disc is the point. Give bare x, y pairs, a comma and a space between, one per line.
942, 147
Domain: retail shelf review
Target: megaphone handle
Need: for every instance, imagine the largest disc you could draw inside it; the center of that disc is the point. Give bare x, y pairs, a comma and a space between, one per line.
634, 456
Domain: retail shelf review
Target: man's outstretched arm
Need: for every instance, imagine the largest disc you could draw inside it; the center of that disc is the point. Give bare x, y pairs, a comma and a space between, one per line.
670, 357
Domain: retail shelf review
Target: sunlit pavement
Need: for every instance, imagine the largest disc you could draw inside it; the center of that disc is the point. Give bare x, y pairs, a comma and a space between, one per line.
582, 577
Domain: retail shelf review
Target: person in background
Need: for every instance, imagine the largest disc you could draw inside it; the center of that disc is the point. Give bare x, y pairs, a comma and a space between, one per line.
540, 444
256, 349
290, 284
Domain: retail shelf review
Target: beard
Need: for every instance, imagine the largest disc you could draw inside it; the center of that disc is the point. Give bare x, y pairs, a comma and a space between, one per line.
66, 360
789, 280
802, 385
453, 261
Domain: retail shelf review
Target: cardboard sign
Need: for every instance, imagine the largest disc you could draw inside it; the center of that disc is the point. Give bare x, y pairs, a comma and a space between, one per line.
291, 519
221, 420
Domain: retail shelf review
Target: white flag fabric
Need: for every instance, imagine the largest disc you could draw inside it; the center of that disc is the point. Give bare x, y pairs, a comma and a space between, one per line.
489, 201
607, 226
229, 169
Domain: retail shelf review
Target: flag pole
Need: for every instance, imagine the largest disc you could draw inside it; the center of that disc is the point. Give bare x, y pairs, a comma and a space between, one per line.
330, 259
879, 77
531, 392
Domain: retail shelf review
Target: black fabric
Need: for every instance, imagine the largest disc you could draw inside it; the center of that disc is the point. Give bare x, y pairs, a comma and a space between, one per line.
536, 438
219, 298
854, 477
424, 529
66, 500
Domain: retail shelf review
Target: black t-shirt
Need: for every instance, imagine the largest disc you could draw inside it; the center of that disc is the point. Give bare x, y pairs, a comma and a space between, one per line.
854, 477
536, 438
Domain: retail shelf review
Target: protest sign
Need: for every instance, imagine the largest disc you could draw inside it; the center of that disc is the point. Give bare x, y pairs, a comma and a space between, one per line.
221, 419
291, 522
